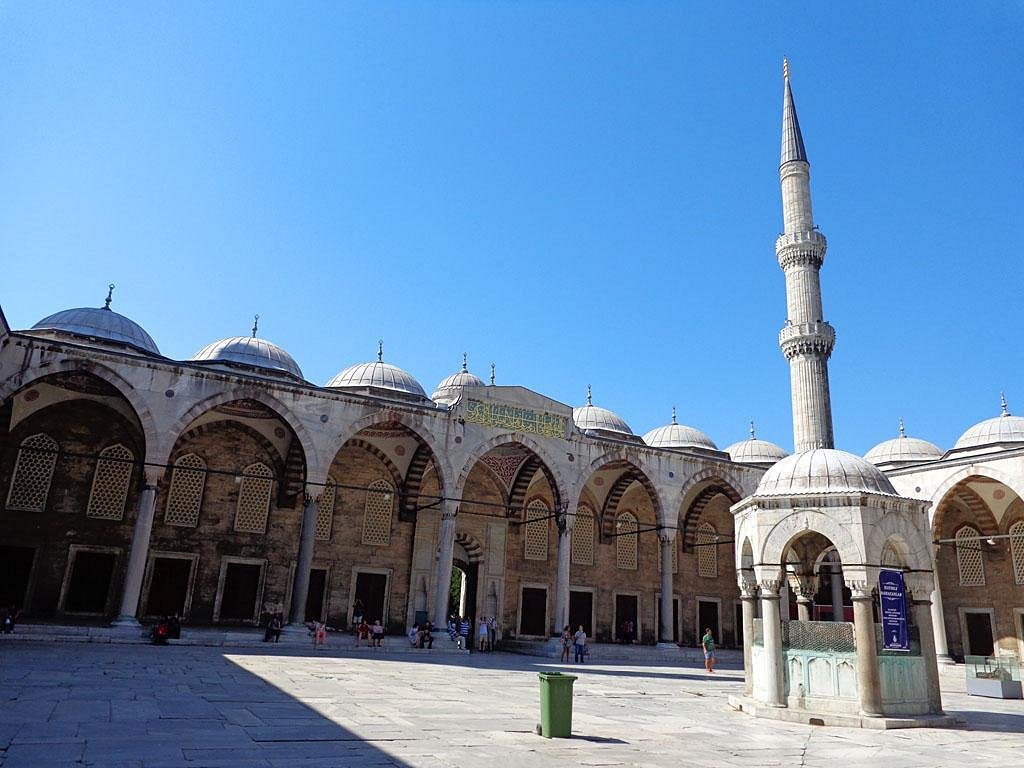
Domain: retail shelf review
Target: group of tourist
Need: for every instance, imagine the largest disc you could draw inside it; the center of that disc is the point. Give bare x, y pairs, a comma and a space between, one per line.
461, 631
577, 641
422, 635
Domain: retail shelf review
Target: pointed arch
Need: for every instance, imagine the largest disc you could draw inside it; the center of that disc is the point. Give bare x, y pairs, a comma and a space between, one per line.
549, 462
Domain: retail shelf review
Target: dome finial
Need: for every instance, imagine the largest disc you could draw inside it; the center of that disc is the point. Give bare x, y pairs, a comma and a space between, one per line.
590, 399
1002, 403
753, 435
465, 363
492, 374
674, 415
110, 296
380, 350
903, 432
255, 325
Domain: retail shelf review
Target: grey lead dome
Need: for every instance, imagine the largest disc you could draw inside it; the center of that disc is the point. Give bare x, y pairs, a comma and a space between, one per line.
99, 323
755, 451
251, 352
378, 376
823, 470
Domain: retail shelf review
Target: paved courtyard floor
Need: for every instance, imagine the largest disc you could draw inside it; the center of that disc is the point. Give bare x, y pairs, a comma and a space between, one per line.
138, 705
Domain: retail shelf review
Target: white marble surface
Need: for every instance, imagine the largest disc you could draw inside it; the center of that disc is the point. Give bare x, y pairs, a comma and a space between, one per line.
129, 705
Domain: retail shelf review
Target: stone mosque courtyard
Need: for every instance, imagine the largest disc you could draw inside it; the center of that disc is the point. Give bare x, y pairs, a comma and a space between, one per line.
92, 704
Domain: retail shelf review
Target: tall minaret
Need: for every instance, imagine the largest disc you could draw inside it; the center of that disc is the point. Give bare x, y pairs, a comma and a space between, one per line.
807, 340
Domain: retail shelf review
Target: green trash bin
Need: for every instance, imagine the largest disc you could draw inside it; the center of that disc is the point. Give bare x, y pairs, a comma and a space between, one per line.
556, 705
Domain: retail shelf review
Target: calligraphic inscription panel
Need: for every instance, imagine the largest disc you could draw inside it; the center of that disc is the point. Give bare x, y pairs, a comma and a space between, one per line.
515, 419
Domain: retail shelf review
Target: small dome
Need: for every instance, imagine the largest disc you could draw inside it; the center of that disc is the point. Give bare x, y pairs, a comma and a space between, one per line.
99, 323
754, 451
450, 389
249, 351
823, 470
903, 449
592, 418
676, 435
381, 377
1005, 428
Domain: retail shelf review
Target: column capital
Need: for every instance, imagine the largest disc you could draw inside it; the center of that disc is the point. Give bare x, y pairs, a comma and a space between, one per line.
804, 586
748, 590
667, 535
151, 475
449, 509
860, 590
770, 588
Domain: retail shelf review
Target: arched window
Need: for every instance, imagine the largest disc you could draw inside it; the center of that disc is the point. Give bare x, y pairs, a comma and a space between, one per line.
1017, 548
110, 483
583, 537
536, 547
33, 472
968, 557
626, 540
377, 514
254, 499
325, 512
184, 499
707, 551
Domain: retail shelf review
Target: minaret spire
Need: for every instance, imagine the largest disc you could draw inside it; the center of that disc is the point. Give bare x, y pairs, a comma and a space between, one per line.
806, 340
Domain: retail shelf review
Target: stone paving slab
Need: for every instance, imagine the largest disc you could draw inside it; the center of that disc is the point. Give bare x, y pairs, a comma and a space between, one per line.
193, 707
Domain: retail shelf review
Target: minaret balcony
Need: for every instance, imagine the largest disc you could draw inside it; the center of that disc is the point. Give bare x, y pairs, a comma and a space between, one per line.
817, 338
807, 246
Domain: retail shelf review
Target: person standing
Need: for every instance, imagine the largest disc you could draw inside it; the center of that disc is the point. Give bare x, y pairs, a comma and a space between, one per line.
492, 632
579, 644
566, 642
464, 634
481, 632
708, 641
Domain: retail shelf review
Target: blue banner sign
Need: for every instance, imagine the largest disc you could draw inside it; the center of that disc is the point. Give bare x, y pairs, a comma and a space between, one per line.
892, 594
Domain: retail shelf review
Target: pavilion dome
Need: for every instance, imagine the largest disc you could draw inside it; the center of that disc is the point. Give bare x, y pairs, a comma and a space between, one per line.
676, 435
592, 418
755, 451
1005, 428
99, 323
823, 470
250, 352
450, 388
903, 449
379, 378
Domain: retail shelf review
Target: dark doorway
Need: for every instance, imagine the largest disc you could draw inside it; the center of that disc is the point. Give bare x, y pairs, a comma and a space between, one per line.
581, 611
168, 586
15, 571
533, 619
315, 596
626, 618
979, 634
89, 586
371, 589
738, 619
241, 588
707, 616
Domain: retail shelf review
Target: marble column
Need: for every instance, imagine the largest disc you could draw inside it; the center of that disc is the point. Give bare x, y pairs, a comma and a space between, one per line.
666, 616
938, 618
804, 598
923, 619
304, 562
748, 594
771, 628
443, 574
139, 552
564, 523
869, 684
836, 575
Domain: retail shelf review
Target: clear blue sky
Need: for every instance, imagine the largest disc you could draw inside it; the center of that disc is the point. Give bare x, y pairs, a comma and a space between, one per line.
579, 192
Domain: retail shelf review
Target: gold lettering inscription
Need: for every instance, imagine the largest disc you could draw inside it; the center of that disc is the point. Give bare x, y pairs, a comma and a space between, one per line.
515, 419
